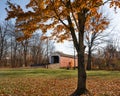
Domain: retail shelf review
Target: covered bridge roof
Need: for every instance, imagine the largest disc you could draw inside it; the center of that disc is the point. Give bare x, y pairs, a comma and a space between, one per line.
63, 54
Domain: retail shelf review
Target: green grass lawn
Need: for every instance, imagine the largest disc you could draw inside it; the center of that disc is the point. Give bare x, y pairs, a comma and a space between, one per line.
55, 82
54, 73
35, 72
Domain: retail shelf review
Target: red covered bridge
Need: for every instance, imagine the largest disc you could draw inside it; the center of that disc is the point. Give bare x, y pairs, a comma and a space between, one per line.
63, 60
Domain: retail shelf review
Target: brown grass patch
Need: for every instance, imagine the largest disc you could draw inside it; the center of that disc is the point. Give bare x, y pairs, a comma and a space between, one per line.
43, 86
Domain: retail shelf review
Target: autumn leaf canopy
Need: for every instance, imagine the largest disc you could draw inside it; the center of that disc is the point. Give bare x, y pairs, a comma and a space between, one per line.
60, 16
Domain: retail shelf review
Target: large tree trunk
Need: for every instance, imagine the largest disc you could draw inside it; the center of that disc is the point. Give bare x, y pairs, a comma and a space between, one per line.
81, 84
89, 60
79, 45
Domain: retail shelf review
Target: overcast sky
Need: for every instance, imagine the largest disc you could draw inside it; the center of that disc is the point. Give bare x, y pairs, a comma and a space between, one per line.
65, 47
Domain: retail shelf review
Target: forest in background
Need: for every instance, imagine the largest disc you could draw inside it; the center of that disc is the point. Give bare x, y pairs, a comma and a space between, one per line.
24, 53
15, 53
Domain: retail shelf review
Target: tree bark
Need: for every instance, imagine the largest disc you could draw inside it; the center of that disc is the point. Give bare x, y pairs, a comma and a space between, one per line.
81, 83
89, 60
25, 57
25, 46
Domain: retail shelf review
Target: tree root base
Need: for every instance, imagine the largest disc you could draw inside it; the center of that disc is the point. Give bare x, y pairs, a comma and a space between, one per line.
81, 92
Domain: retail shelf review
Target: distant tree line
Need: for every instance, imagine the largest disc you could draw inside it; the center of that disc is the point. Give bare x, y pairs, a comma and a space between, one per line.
22, 53
108, 58
32, 51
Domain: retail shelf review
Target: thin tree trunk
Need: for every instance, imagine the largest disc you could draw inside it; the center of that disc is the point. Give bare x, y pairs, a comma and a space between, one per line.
25, 59
89, 60
25, 45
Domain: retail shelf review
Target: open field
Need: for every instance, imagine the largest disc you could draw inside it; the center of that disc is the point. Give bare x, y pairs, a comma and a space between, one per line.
60, 82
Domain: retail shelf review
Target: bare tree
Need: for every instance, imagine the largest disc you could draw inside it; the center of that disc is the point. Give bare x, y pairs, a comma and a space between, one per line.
94, 41
13, 45
15, 53
110, 54
93, 37
41, 49
3, 41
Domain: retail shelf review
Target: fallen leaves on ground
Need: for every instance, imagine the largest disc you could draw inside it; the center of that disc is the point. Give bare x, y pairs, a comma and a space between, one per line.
40, 86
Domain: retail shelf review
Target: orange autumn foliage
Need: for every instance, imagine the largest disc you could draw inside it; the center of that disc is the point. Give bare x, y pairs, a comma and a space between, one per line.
56, 11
